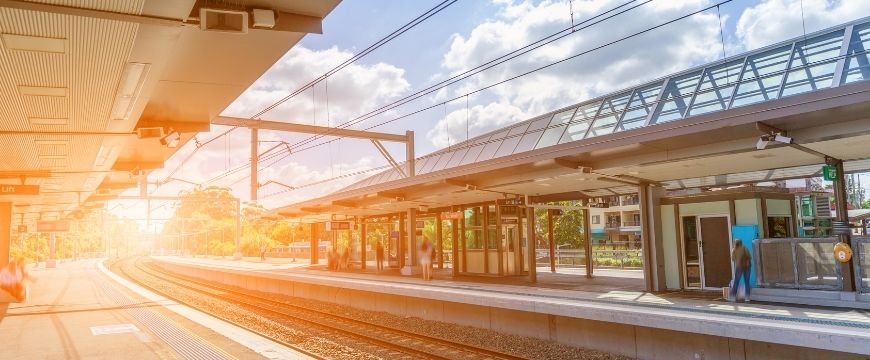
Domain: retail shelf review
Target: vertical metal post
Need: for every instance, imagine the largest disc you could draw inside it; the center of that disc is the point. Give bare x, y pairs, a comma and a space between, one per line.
485, 214
551, 238
363, 244
847, 269
439, 237
255, 158
454, 265
238, 253
402, 234
499, 239
530, 242
314, 244
409, 153
587, 239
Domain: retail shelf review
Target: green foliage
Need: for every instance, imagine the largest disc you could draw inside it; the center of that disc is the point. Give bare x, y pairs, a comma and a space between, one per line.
567, 228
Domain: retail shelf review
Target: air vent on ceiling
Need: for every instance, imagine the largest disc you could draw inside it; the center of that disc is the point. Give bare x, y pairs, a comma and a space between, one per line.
149, 132
223, 20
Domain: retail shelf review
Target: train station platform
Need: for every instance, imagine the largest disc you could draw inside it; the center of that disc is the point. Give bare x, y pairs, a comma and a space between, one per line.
581, 312
81, 310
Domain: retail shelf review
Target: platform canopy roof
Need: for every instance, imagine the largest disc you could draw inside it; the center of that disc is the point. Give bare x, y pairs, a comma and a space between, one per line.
695, 128
88, 88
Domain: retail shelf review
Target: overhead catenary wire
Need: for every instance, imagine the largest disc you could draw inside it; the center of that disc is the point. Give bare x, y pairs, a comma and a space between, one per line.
365, 52
611, 43
594, 20
501, 82
476, 70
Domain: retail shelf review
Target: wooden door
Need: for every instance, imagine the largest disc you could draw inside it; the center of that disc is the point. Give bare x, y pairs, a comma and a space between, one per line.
716, 251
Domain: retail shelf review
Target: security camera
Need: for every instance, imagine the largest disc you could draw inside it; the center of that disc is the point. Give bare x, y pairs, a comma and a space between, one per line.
762, 143
782, 139
470, 187
171, 140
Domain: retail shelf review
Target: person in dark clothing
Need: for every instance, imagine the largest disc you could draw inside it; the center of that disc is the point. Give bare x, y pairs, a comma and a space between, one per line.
742, 266
379, 256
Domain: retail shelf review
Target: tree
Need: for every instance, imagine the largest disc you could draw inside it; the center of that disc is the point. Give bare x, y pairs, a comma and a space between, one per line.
866, 204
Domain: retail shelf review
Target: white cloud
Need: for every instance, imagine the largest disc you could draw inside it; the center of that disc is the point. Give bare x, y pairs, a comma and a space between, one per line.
773, 21
452, 129
676, 47
351, 91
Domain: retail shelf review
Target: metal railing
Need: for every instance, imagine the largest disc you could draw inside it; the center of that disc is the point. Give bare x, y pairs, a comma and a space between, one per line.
797, 263
631, 223
861, 259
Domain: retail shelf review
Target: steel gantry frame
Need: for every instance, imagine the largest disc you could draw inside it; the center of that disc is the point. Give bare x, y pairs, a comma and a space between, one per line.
375, 137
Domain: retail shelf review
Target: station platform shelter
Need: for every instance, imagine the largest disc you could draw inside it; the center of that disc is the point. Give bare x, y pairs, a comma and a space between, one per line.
701, 150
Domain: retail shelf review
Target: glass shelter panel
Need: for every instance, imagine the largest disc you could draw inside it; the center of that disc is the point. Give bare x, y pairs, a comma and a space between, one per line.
813, 64
762, 76
580, 124
610, 112
642, 103
857, 66
717, 86
675, 100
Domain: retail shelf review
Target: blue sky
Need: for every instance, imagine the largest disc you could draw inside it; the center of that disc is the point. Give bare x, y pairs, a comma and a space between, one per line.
462, 36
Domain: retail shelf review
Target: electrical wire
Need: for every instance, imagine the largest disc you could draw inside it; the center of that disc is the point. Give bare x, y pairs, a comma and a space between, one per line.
368, 50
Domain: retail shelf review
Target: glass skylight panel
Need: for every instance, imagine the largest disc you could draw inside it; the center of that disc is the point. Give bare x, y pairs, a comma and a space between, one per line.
442, 162
528, 141
608, 115
517, 130
457, 157
813, 64
507, 146
490, 148
857, 65
555, 129
472, 154
431, 163
539, 124
419, 164
762, 77
642, 102
675, 100
717, 86
580, 124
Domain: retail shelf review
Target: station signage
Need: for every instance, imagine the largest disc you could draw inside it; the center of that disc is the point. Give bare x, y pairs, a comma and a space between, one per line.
513, 202
829, 173
19, 189
337, 225
603, 205
509, 221
52, 226
452, 215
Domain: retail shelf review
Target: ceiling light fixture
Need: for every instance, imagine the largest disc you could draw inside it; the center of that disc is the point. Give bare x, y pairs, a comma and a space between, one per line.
128, 89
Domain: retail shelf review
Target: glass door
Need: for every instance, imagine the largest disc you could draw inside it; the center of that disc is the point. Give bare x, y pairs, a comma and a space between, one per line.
510, 243
691, 257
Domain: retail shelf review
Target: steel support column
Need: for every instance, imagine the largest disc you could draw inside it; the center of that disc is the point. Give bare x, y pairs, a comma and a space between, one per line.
454, 262
841, 199
551, 237
439, 236
530, 242
255, 158
363, 244
587, 240
651, 236
315, 244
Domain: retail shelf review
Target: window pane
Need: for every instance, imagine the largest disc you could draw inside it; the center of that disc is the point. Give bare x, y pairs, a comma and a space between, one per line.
457, 158
431, 163
762, 77
442, 161
517, 130
550, 137
528, 141
472, 154
813, 64
577, 128
539, 124
608, 115
642, 103
507, 146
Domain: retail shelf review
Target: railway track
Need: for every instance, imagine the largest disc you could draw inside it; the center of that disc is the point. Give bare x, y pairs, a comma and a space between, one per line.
393, 343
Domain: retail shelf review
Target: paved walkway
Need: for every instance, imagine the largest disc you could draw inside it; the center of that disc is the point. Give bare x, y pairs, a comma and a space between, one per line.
77, 311
700, 306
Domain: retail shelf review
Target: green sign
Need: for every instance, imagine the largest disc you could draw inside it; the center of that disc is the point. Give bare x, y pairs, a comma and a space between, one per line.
829, 172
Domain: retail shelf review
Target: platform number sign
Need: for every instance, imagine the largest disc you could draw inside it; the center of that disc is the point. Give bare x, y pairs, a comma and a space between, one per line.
829, 172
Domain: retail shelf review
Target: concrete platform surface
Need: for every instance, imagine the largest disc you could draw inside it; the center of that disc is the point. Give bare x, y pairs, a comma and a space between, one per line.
77, 310
704, 313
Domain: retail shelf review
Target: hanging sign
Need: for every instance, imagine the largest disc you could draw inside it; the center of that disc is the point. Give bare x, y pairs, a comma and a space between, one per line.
19, 189
515, 201
52, 226
829, 173
337, 225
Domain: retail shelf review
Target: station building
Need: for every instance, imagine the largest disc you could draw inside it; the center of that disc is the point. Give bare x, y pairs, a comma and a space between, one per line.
780, 112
